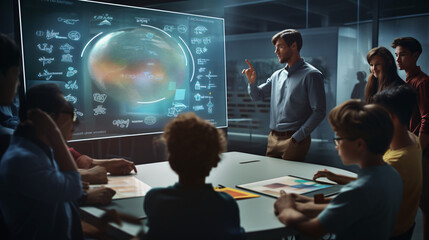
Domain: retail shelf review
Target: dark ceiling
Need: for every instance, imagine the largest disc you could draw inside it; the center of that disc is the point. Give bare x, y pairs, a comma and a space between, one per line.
249, 16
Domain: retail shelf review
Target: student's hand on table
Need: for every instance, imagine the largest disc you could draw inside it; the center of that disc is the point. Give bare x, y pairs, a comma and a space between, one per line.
101, 195
250, 73
85, 185
119, 166
95, 175
301, 198
327, 174
283, 202
338, 178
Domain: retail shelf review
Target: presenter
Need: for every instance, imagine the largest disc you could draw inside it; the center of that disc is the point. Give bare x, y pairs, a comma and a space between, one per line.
298, 102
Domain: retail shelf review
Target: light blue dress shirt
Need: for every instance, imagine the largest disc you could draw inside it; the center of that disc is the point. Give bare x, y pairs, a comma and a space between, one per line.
298, 101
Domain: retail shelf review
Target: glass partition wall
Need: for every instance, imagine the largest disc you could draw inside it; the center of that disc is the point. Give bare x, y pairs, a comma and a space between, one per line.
337, 35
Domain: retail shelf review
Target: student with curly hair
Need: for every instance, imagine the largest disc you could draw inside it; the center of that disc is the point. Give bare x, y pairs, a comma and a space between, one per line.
191, 209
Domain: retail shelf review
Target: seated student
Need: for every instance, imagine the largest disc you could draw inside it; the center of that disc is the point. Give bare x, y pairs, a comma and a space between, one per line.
9, 70
42, 97
93, 171
404, 155
39, 180
191, 209
365, 208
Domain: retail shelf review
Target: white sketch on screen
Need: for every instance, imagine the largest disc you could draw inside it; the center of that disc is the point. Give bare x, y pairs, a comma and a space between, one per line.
105, 18
142, 20
74, 35
66, 48
99, 110
210, 106
196, 40
105, 22
150, 120
51, 34
207, 40
99, 97
197, 85
197, 97
67, 21
48, 75
40, 33
67, 58
210, 75
182, 28
202, 61
198, 108
71, 72
200, 30
169, 28
121, 123
176, 109
70, 85
44, 47
45, 60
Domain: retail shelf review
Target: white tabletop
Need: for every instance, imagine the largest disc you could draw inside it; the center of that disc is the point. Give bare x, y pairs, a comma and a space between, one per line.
256, 214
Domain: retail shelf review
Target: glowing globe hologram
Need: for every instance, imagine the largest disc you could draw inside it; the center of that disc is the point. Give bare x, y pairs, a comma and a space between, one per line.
138, 65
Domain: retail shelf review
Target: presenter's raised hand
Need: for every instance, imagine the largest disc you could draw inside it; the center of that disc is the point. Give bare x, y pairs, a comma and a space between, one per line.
250, 73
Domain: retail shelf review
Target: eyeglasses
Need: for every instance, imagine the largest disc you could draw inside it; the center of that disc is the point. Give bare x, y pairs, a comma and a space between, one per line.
72, 114
337, 140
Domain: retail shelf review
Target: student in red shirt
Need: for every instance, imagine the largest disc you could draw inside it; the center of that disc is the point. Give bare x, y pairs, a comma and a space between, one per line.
407, 51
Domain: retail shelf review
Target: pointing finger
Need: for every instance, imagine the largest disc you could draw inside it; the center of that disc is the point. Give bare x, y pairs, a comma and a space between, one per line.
248, 63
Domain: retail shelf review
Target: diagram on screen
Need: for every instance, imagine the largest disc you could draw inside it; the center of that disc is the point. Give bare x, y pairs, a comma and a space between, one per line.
127, 70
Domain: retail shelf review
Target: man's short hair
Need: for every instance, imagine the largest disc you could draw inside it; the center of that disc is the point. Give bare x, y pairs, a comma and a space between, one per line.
193, 145
409, 43
289, 36
400, 101
353, 119
10, 56
47, 97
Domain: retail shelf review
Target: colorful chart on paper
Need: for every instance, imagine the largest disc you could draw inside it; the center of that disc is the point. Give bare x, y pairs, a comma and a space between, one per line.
289, 184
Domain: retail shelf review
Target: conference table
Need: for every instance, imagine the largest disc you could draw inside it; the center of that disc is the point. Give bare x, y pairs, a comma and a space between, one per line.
256, 214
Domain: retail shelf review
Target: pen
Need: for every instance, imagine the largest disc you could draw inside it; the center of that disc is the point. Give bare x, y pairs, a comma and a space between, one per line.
249, 161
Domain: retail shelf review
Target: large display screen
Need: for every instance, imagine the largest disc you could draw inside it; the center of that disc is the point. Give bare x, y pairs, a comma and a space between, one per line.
127, 70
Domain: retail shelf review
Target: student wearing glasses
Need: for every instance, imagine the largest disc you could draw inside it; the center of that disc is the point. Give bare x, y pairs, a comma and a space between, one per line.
365, 208
404, 155
39, 178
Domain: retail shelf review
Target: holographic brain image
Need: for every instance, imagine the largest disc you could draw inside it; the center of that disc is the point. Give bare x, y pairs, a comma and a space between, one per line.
140, 65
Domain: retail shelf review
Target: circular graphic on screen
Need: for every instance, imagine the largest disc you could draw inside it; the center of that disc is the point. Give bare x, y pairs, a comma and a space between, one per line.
140, 65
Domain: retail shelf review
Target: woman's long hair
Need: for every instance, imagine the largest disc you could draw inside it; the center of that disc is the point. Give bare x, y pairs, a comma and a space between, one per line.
390, 73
